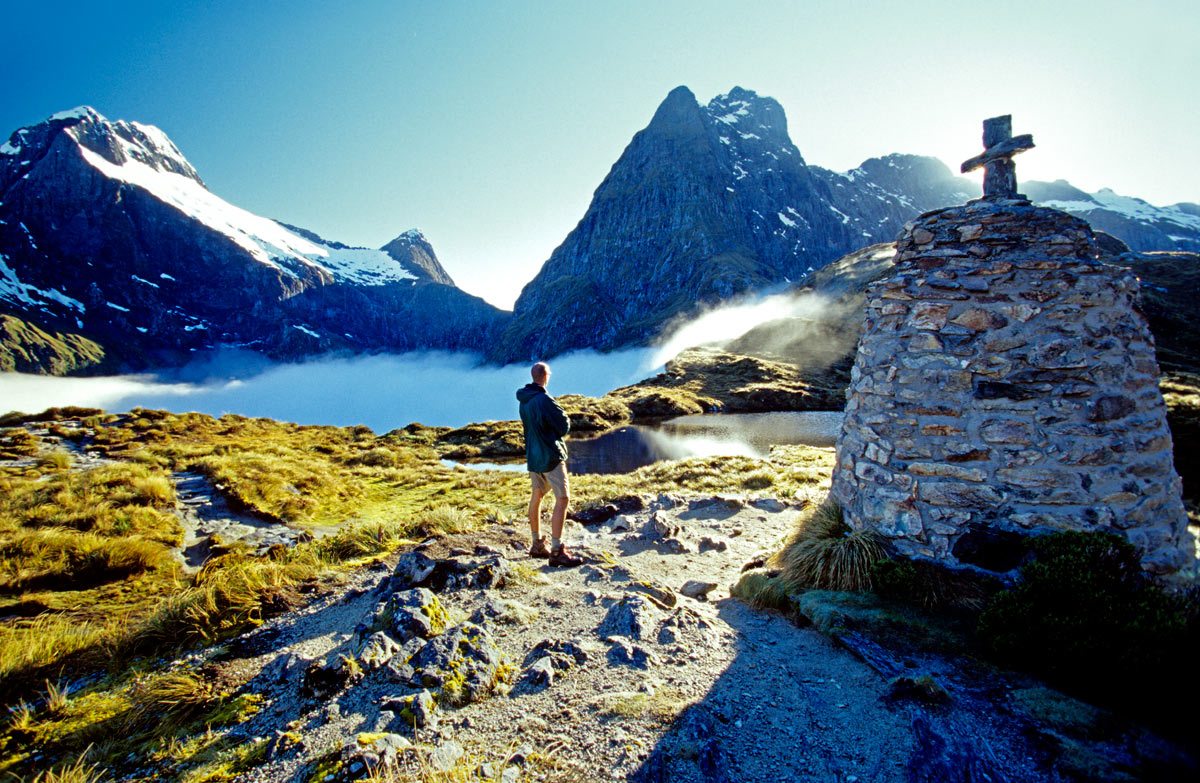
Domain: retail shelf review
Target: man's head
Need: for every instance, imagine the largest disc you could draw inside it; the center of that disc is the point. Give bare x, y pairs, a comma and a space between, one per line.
540, 373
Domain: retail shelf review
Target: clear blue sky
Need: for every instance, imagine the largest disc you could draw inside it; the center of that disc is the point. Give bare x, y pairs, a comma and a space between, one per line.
489, 124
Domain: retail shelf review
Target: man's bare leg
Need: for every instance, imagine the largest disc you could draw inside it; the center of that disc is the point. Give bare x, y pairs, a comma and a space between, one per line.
535, 514
559, 514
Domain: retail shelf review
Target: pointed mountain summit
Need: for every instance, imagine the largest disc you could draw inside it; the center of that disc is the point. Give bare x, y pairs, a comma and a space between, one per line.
413, 250
108, 234
705, 203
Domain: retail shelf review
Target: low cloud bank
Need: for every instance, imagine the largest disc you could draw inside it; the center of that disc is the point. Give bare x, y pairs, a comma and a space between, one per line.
803, 327
383, 391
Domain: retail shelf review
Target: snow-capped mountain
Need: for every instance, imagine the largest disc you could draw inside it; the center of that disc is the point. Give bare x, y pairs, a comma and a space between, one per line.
111, 244
1142, 226
107, 231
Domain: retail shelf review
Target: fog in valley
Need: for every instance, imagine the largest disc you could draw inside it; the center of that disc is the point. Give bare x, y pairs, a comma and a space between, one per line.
382, 391
436, 388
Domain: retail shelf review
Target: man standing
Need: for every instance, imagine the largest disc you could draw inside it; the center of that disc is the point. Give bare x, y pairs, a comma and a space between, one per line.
545, 426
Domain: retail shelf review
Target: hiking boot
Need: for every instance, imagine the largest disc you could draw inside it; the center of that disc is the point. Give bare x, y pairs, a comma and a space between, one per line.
540, 549
563, 557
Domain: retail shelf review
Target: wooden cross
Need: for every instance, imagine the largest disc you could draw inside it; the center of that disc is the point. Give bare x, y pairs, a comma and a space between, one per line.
999, 172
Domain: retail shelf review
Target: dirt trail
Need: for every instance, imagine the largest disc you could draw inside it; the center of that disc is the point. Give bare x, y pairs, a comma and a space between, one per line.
668, 687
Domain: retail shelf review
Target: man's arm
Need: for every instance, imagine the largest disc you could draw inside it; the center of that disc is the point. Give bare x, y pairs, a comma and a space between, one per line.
556, 418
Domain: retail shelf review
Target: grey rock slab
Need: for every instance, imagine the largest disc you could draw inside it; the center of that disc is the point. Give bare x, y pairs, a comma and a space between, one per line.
633, 616
378, 650
694, 588
445, 756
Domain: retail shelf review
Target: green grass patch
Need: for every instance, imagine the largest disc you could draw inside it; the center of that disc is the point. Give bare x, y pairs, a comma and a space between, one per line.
25, 347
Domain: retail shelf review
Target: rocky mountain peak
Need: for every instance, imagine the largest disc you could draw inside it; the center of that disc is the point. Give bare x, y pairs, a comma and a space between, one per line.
413, 250
116, 142
749, 115
679, 105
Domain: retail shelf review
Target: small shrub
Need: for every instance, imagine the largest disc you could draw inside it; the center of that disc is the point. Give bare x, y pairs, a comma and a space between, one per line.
1084, 612
824, 553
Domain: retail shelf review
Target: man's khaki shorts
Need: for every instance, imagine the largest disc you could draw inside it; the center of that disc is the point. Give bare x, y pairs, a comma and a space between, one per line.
554, 480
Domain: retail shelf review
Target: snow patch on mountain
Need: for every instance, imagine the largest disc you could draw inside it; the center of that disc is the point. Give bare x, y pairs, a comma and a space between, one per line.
13, 290
78, 113
1128, 206
265, 240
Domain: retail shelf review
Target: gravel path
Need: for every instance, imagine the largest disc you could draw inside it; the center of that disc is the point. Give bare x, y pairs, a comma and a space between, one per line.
767, 698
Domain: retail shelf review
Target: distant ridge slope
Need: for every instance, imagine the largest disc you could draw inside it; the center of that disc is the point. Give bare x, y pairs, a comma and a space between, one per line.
108, 234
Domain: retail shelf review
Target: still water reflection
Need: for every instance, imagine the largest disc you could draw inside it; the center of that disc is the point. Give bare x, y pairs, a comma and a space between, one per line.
628, 448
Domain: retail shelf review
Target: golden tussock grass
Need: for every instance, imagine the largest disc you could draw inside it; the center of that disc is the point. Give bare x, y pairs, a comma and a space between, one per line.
825, 554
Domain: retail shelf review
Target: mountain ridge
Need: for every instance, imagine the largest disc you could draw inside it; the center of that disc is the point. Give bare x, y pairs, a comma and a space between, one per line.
109, 237
108, 231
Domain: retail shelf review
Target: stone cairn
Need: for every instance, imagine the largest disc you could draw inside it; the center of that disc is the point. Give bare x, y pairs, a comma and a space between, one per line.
1006, 385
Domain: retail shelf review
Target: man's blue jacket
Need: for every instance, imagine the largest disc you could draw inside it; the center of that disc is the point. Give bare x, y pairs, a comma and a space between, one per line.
545, 426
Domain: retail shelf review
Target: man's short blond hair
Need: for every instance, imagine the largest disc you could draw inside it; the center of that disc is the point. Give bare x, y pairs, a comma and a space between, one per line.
540, 372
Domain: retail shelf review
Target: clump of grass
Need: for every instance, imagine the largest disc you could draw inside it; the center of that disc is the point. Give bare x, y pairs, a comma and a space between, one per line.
78, 771
169, 701
71, 560
55, 460
764, 590
361, 540
825, 554
17, 442
759, 480
50, 414
58, 697
443, 520
231, 592
661, 705
48, 639
378, 457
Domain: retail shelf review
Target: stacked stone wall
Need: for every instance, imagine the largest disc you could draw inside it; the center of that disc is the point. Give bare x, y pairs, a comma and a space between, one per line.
1006, 381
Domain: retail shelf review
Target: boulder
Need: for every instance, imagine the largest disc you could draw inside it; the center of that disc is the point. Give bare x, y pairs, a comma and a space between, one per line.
369, 755
413, 613
378, 650
463, 665
694, 588
623, 652
632, 617
415, 711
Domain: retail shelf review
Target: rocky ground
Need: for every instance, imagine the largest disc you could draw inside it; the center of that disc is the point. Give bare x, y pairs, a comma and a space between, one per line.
466, 655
